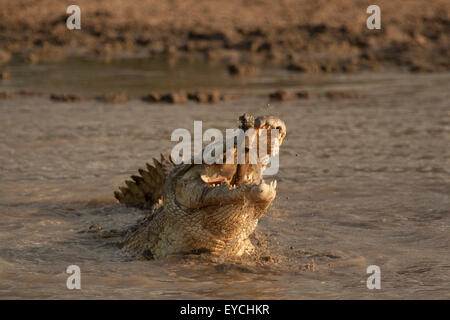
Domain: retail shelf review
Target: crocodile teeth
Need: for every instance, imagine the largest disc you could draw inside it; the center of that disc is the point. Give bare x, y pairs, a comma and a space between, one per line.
273, 184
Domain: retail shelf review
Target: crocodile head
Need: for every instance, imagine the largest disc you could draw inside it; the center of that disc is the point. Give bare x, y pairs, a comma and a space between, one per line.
225, 200
205, 207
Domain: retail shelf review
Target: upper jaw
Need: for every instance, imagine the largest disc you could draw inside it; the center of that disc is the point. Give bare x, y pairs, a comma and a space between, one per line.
270, 122
265, 136
235, 175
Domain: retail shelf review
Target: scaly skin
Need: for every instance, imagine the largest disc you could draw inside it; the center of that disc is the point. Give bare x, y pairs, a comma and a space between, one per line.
205, 208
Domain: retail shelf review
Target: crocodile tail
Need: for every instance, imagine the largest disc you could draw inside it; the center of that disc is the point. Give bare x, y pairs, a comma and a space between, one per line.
145, 189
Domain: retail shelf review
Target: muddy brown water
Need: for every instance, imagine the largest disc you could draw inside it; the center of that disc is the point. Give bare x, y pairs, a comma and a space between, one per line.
362, 182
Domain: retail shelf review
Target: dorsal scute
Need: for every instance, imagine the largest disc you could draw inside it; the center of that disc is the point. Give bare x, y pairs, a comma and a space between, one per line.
145, 189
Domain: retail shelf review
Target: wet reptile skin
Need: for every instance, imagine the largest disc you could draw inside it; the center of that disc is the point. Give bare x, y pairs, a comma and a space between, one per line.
196, 217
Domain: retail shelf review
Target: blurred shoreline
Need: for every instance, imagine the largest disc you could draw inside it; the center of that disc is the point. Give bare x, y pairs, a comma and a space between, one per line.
301, 36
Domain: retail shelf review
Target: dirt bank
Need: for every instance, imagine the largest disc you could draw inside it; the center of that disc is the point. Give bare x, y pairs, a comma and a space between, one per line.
301, 35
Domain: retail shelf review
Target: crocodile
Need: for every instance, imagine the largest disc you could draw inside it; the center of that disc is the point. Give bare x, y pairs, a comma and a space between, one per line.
197, 208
